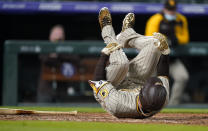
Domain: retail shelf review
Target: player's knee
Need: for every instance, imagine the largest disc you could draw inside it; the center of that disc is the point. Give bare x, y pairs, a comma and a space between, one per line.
153, 41
153, 46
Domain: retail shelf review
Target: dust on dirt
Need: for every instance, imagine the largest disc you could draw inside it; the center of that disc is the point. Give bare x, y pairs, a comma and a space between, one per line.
160, 118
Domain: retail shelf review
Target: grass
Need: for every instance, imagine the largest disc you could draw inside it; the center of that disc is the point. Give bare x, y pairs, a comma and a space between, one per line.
195, 111
100, 110
95, 126
79, 109
91, 126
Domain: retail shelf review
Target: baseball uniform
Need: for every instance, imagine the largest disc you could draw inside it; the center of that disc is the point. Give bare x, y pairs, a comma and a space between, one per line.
119, 95
128, 89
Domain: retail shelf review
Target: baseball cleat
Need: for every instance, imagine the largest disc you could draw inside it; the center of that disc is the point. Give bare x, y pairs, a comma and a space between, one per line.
104, 17
163, 44
128, 21
110, 48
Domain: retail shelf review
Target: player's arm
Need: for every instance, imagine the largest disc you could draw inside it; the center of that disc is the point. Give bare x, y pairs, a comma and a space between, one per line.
163, 66
163, 70
100, 72
153, 24
182, 32
163, 73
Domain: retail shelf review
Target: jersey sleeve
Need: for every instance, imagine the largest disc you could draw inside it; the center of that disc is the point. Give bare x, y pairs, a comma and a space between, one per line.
182, 32
100, 73
153, 24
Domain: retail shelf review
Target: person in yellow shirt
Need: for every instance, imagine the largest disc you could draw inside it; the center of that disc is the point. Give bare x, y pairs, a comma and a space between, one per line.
175, 27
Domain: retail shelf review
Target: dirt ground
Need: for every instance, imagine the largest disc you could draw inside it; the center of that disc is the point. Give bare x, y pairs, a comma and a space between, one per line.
161, 118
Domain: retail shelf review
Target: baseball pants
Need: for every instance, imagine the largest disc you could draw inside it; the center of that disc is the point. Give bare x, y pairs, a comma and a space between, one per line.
138, 69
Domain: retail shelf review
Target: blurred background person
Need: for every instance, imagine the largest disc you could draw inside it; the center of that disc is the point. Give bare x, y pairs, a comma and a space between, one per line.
57, 34
175, 26
54, 64
46, 89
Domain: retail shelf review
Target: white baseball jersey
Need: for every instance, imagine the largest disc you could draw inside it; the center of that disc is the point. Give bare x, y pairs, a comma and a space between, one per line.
123, 102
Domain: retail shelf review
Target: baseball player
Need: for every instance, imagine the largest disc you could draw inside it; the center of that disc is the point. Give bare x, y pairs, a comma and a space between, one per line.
125, 88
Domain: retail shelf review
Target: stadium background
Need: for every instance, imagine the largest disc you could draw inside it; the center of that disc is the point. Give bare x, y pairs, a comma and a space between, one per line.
21, 23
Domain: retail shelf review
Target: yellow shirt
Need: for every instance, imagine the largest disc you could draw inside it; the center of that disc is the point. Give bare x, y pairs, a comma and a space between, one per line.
181, 32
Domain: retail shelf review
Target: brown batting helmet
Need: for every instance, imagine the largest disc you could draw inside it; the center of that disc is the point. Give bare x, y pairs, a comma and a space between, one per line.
152, 96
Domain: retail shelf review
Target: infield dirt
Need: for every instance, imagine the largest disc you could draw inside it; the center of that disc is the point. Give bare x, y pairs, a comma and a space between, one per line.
161, 118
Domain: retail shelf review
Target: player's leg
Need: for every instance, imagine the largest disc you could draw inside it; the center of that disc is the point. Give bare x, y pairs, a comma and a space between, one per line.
129, 38
119, 64
151, 47
144, 64
180, 76
118, 67
127, 32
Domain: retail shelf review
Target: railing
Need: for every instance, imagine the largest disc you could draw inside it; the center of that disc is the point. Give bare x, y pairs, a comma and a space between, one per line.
86, 48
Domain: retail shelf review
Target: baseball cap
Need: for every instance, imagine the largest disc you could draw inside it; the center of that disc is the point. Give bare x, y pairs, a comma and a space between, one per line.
170, 5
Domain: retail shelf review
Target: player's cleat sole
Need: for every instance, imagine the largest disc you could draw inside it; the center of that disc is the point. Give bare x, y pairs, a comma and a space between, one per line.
128, 21
104, 17
163, 44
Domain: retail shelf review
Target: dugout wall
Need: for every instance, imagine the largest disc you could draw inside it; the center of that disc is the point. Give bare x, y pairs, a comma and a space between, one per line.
89, 49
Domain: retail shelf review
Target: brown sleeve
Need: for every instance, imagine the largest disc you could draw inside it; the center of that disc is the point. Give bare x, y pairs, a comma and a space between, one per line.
163, 66
100, 73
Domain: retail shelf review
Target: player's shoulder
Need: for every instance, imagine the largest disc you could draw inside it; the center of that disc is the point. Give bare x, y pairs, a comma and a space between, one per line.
181, 17
157, 16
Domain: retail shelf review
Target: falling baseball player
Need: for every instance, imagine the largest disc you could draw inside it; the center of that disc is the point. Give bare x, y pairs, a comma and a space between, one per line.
127, 89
